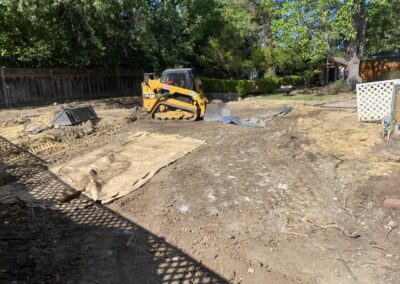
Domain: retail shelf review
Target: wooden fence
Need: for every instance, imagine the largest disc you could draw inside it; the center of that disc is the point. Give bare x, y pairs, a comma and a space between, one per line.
38, 86
377, 70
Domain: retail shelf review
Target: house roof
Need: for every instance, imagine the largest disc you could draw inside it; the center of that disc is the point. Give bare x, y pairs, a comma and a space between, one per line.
388, 55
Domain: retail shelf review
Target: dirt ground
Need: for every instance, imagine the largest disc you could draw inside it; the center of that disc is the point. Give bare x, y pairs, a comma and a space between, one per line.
297, 201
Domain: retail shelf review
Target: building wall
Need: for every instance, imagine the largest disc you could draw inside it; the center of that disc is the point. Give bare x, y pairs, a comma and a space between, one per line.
376, 70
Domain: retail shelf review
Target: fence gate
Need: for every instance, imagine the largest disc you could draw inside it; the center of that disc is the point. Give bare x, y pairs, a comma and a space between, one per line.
38, 86
374, 100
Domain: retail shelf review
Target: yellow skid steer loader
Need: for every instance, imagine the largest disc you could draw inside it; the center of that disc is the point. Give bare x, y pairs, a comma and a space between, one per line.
177, 95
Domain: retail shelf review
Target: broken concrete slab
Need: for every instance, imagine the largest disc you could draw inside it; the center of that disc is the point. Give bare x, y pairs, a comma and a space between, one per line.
285, 109
35, 128
261, 119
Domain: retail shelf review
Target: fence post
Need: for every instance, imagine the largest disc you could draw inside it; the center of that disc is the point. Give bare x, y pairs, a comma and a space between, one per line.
6, 95
119, 83
89, 84
53, 82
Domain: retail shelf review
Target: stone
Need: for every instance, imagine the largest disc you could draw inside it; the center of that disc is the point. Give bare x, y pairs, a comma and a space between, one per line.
34, 128
88, 127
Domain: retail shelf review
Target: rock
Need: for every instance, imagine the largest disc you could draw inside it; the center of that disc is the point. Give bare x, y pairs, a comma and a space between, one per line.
131, 118
34, 128
183, 208
283, 186
392, 224
250, 270
88, 127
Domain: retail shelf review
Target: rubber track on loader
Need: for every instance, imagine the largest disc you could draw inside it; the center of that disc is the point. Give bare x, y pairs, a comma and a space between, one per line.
195, 114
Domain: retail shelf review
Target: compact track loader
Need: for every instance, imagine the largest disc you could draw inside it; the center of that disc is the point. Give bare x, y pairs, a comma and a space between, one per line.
177, 95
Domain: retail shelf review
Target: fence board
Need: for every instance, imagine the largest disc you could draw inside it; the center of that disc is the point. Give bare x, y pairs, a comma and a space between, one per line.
39, 86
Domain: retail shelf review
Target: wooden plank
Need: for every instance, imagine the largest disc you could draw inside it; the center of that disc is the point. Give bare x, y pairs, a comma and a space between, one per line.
5, 88
397, 105
89, 85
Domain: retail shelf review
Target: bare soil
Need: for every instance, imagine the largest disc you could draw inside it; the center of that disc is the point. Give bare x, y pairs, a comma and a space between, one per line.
298, 201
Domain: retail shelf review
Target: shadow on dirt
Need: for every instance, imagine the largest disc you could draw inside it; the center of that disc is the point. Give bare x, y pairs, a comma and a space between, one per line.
45, 241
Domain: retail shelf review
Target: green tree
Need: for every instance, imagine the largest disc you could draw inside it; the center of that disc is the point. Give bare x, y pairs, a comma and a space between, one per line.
382, 31
333, 29
229, 37
78, 33
224, 54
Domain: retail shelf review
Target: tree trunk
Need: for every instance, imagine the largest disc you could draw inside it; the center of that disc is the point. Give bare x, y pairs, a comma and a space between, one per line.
355, 48
328, 44
354, 69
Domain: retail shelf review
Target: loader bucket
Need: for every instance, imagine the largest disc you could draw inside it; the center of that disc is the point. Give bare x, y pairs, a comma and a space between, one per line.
73, 116
216, 111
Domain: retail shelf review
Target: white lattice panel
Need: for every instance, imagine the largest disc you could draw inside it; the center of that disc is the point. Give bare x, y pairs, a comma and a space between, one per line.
374, 100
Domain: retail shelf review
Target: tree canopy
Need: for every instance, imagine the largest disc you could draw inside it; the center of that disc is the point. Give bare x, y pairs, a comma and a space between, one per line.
228, 38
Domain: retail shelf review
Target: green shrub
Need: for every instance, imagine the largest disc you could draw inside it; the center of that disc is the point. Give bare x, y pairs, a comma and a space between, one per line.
241, 87
219, 86
267, 85
246, 87
293, 80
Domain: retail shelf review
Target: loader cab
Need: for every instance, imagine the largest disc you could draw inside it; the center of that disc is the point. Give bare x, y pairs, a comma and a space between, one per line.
182, 78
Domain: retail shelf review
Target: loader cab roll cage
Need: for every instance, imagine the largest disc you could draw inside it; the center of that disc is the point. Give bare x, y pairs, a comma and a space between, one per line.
182, 78
149, 76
